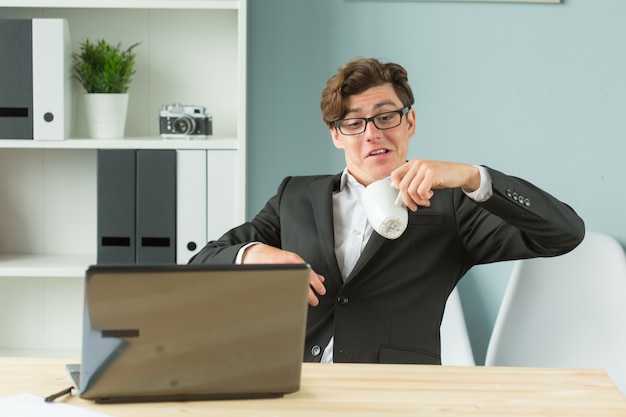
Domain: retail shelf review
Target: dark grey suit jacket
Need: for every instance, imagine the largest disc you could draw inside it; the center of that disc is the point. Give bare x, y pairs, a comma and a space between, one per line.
389, 309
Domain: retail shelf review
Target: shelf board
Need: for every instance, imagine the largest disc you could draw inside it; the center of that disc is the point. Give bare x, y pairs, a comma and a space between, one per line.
126, 143
124, 4
71, 266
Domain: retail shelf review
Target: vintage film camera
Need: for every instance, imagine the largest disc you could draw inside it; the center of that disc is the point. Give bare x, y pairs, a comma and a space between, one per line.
184, 121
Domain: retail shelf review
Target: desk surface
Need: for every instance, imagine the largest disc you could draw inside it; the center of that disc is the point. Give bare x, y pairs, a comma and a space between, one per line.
369, 390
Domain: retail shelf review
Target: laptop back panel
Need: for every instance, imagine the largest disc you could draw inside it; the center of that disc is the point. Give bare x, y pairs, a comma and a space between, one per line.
181, 332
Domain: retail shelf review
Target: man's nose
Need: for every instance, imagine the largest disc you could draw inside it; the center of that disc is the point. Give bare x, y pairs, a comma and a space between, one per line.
371, 131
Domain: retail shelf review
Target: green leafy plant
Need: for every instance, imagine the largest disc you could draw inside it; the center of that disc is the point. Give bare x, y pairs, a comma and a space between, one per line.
103, 68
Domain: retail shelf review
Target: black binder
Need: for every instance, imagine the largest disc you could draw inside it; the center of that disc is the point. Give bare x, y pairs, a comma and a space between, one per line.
16, 79
136, 207
116, 206
156, 207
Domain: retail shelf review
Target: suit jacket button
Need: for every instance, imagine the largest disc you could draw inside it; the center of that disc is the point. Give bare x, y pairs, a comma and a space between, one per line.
527, 202
316, 350
342, 300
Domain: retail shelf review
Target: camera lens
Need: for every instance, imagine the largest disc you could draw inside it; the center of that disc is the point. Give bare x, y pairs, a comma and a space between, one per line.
184, 125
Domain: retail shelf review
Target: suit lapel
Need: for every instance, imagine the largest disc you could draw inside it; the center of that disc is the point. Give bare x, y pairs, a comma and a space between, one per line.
372, 246
321, 192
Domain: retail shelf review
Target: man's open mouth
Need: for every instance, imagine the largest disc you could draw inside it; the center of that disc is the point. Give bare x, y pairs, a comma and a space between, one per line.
378, 152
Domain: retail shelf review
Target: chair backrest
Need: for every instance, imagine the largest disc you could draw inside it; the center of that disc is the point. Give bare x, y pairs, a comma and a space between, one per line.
456, 348
566, 311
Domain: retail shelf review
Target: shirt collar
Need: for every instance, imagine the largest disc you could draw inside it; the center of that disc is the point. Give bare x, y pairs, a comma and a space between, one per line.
347, 180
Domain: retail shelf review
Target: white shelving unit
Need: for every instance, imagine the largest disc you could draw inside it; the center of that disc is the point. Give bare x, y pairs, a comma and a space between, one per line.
191, 52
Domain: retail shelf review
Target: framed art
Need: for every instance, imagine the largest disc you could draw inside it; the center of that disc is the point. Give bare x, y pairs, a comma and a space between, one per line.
469, 1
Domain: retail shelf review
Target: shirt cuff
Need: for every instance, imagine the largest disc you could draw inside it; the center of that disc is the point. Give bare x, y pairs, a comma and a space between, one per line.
240, 252
485, 191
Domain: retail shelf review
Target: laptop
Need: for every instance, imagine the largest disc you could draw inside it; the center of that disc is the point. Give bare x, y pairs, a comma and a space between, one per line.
192, 332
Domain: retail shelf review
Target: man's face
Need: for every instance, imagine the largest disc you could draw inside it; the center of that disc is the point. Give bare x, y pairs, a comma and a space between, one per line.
373, 154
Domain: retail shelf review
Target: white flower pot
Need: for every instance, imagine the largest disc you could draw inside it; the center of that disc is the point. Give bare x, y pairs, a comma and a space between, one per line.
106, 115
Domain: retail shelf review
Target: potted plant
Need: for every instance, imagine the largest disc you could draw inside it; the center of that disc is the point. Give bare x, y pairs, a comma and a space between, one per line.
105, 71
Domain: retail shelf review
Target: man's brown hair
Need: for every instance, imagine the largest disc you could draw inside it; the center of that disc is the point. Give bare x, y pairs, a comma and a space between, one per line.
358, 76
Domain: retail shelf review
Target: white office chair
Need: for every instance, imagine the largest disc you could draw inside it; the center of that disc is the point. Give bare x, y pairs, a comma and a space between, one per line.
456, 348
567, 311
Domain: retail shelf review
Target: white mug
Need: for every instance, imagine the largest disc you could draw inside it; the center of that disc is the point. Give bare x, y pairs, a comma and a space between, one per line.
384, 208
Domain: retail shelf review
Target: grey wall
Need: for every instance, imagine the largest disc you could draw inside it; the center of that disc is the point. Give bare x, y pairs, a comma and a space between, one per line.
535, 90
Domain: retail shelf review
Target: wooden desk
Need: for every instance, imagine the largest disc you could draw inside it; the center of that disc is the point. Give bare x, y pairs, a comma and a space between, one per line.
370, 390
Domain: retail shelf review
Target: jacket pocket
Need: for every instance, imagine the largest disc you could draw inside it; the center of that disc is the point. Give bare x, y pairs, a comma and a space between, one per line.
393, 354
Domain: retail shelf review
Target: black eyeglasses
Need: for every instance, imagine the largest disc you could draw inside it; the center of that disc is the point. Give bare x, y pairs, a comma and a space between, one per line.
382, 121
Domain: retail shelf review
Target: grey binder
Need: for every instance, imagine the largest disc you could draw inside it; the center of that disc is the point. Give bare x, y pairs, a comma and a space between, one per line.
156, 207
16, 79
116, 206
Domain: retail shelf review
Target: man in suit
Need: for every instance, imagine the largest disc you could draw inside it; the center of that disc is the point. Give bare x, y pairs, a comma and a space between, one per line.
374, 299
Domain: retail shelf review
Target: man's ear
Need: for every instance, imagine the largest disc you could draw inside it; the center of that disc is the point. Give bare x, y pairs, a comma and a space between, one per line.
334, 133
410, 120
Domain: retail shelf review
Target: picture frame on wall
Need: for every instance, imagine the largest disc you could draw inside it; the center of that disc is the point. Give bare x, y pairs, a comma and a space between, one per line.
499, 1
469, 1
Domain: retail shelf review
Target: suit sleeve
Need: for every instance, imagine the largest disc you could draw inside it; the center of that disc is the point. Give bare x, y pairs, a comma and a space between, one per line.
264, 228
527, 222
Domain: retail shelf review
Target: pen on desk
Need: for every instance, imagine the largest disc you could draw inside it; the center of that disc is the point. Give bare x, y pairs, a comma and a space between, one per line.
53, 397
